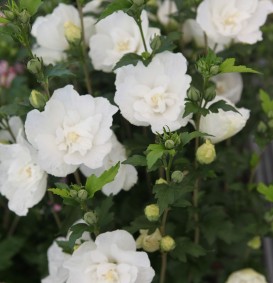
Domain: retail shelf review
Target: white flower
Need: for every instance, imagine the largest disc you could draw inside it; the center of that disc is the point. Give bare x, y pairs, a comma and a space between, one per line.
56, 257
22, 181
227, 20
112, 258
229, 85
50, 31
223, 125
93, 6
115, 36
191, 30
72, 130
247, 275
127, 174
15, 125
165, 10
154, 95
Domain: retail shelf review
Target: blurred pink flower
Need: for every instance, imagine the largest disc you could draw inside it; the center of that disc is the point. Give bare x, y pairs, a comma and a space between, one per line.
8, 73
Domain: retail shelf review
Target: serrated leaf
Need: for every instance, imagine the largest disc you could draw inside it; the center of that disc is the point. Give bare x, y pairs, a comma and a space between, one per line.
114, 6
30, 5
167, 42
228, 66
76, 232
156, 151
187, 137
94, 183
222, 104
58, 71
190, 108
266, 191
60, 192
267, 103
128, 59
62, 186
65, 246
136, 160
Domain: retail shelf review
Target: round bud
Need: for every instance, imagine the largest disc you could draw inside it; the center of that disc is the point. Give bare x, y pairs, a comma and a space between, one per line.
169, 144
73, 193
167, 244
214, 70
255, 243
161, 181
205, 153
177, 176
210, 93
262, 127
82, 194
155, 43
90, 217
37, 99
72, 32
152, 212
34, 66
194, 94
9, 15
24, 17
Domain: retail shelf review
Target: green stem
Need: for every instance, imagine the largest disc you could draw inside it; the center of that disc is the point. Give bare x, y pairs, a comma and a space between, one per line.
83, 49
139, 24
13, 226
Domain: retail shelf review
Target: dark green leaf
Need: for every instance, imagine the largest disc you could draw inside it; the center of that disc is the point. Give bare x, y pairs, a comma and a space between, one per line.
30, 5
136, 160
222, 104
228, 66
76, 232
128, 59
114, 6
105, 217
187, 137
190, 108
58, 71
156, 151
94, 183
141, 222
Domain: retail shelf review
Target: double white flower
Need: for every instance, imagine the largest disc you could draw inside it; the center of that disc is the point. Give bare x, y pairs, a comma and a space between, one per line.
246, 275
232, 20
154, 95
72, 130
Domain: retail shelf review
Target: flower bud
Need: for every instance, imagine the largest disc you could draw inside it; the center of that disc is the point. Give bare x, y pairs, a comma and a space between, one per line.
73, 193
149, 243
177, 176
72, 32
90, 218
210, 93
167, 244
194, 94
9, 15
37, 99
169, 144
255, 243
214, 70
246, 275
205, 153
155, 43
24, 16
152, 212
34, 66
161, 181
262, 127
82, 194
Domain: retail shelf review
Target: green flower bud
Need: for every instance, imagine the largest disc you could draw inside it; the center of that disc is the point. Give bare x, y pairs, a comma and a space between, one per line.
201, 66
177, 176
73, 193
194, 94
139, 2
24, 17
34, 66
90, 218
37, 99
82, 194
210, 93
167, 244
152, 212
149, 243
205, 153
72, 32
255, 243
145, 55
262, 127
214, 70
161, 181
155, 43
169, 144
9, 15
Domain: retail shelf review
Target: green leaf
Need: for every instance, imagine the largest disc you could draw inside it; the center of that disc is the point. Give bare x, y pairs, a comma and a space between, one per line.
187, 137
166, 43
267, 103
141, 222
128, 59
190, 108
266, 191
228, 66
136, 160
156, 151
114, 6
31, 6
9, 248
222, 104
60, 192
4, 20
59, 70
94, 183
105, 217
76, 232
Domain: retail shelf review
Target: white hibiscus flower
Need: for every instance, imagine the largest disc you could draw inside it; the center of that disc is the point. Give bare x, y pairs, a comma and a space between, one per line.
51, 32
115, 36
127, 174
224, 124
22, 181
154, 95
247, 275
72, 130
227, 20
112, 258
229, 85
